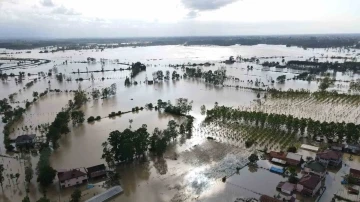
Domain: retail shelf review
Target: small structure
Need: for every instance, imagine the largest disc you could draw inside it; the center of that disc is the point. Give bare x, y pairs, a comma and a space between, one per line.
71, 178
150, 82
355, 174
96, 171
293, 159
279, 161
309, 147
337, 147
24, 140
316, 168
266, 198
277, 170
278, 155
106, 195
309, 185
329, 157
352, 148
286, 187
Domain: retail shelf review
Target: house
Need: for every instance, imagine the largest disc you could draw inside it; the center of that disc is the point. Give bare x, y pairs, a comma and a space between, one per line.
352, 148
337, 147
71, 178
329, 157
309, 147
316, 168
23, 140
309, 185
96, 171
293, 159
266, 198
278, 155
286, 187
355, 174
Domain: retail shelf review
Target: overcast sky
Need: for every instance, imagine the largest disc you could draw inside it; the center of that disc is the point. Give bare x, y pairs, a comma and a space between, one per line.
135, 18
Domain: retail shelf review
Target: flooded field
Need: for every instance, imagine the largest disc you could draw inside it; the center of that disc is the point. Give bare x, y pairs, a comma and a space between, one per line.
192, 167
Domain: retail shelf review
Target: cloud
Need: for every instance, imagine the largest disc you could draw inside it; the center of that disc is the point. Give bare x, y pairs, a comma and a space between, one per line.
61, 10
47, 3
204, 5
192, 14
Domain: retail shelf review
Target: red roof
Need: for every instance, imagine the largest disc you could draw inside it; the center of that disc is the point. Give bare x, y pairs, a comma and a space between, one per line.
278, 155
329, 155
355, 173
266, 198
310, 181
71, 174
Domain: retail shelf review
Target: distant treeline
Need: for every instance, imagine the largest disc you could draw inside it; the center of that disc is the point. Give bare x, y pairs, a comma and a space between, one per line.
317, 67
305, 41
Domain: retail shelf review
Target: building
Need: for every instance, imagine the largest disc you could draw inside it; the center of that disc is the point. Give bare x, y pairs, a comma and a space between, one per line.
309, 147
352, 148
286, 187
96, 171
315, 167
293, 159
337, 147
278, 155
266, 198
355, 174
71, 178
24, 140
329, 157
309, 185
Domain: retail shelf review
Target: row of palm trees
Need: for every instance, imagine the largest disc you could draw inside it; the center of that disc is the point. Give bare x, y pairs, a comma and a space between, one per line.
293, 125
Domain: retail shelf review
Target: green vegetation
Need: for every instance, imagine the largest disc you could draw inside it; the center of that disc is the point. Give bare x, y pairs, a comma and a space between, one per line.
80, 97
2, 178
76, 196
46, 172
287, 125
217, 77
109, 91
325, 83
281, 79
136, 68
58, 127
77, 117
253, 158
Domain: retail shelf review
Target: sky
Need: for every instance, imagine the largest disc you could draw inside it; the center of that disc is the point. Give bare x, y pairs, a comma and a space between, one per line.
155, 18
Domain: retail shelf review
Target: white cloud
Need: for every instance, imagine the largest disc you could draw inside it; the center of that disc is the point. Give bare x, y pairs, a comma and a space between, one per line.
47, 3
64, 11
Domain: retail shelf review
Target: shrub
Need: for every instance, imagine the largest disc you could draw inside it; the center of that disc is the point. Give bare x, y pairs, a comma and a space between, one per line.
91, 119
118, 113
292, 149
112, 114
98, 118
249, 143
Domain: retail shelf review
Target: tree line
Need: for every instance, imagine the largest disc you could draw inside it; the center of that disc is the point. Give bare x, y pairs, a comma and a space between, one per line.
217, 77
313, 128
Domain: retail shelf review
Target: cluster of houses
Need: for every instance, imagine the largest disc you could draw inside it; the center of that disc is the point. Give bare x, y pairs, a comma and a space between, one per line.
314, 172
79, 176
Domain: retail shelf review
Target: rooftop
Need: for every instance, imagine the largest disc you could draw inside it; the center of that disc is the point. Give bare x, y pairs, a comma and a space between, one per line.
22, 138
278, 155
294, 156
355, 173
71, 174
96, 168
310, 181
266, 198
315, 166
329, 155
309, 147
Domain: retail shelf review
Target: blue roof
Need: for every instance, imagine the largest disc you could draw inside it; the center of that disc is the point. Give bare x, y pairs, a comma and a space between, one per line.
276, 170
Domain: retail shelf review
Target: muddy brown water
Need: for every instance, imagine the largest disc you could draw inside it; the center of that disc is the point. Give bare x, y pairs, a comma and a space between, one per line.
197, 172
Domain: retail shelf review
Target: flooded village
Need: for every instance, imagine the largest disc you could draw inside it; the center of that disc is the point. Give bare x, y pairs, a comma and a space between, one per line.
207, 123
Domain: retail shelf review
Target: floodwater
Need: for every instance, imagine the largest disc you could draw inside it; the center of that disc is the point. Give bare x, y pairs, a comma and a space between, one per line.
200, 164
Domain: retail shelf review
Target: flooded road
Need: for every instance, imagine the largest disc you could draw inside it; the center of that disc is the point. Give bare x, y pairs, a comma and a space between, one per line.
200, 164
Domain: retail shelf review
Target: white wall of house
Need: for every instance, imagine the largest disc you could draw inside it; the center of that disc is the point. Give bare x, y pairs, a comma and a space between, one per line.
74, 181
308, 170
317, 188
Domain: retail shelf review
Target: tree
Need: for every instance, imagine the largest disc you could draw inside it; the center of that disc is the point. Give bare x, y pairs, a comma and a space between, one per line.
325, 83
17, 175
253, 158
35, 94
171, 131
43, 199
281, 79
46, 176
77, 117
182, 129
2, 175
80, 97
258, 95
203, 110
29, 173
76, 196
26, 199
95, 93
